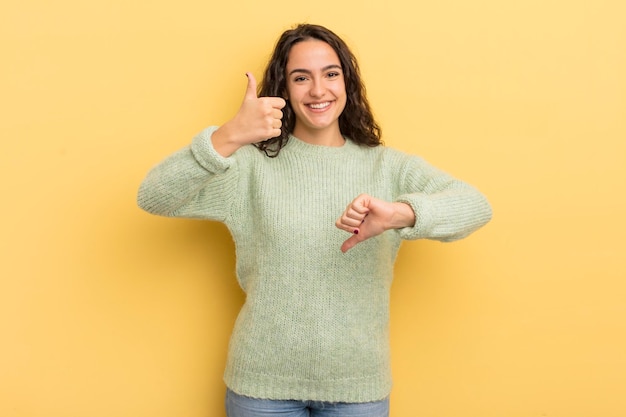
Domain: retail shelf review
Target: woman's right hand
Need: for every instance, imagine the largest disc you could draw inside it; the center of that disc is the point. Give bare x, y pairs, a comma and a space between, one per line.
258, 119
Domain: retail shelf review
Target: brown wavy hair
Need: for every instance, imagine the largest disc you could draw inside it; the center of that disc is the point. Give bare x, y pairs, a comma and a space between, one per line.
355, 122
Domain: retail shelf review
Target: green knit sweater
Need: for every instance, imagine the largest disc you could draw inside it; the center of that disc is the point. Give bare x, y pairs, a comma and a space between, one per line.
314, 325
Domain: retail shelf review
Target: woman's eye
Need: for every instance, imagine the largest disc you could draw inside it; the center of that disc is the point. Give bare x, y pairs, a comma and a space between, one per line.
300, 79
333, 74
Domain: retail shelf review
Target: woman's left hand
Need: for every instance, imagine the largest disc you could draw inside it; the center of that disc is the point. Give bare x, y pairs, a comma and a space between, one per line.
366, 217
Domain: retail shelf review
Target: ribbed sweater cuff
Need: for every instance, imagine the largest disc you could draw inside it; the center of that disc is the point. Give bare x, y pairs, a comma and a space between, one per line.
423, 218
206, 155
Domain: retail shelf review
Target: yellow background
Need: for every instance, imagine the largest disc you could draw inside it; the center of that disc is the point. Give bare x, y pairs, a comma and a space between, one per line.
108, 311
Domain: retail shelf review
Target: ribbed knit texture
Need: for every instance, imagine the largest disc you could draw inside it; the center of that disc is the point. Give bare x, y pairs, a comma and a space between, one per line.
315, 322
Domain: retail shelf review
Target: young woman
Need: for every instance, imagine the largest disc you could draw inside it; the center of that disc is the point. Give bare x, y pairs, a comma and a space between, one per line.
317, 208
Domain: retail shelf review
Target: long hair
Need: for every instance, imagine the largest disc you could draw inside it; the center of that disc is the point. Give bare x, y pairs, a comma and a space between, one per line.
355, 122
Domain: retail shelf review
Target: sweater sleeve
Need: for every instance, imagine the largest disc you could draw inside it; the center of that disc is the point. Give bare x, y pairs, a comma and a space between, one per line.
446, 209
195, 182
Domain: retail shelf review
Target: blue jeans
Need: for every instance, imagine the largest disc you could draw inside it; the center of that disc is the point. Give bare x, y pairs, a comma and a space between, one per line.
241, 406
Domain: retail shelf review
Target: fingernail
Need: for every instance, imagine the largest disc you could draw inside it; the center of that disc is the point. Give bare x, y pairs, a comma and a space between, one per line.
356, 231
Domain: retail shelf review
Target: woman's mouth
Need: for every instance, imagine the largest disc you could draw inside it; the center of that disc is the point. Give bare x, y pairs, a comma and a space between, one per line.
319, 106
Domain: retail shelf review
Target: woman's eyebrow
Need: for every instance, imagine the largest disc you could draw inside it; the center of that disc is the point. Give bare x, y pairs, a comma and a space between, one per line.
306, 71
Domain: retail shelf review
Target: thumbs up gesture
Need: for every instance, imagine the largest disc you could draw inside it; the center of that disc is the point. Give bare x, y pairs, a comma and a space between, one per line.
258, 119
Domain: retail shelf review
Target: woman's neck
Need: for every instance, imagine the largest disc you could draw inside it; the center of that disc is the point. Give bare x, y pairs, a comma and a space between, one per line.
325, 137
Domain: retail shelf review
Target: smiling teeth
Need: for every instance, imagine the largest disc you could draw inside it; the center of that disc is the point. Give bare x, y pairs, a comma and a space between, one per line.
319, 105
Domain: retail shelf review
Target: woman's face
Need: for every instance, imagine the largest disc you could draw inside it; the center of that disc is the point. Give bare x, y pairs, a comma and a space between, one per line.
316, 89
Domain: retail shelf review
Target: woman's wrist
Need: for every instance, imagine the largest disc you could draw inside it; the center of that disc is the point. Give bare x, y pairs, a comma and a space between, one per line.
223, 141
403, 216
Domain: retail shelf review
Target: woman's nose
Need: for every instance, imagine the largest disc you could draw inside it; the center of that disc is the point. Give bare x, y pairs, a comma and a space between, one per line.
317, 89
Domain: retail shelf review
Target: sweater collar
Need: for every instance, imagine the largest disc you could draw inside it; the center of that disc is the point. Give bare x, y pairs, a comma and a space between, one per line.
296, 145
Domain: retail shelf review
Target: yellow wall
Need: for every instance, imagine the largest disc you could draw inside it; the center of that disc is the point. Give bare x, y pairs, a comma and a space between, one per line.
108, 311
